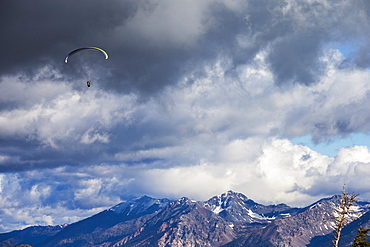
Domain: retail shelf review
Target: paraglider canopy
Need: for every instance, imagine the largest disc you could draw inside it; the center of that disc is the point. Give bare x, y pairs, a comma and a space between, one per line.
85, 49
80, 64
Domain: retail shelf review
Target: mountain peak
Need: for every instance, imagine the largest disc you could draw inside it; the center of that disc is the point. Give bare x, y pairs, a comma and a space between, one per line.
225, 200
234, 194
140, 205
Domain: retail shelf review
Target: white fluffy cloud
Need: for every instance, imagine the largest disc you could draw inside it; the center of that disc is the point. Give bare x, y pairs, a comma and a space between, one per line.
54, 115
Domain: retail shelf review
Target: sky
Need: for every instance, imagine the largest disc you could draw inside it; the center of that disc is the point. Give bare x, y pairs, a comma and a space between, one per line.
270, 98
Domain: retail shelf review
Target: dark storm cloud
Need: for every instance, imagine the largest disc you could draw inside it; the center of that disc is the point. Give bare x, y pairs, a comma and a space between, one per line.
150, 48
42, 31
22, 157
296, 32
299, 64
358, 36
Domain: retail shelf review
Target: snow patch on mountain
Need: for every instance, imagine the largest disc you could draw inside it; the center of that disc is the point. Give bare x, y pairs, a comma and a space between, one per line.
258, 216
140, 205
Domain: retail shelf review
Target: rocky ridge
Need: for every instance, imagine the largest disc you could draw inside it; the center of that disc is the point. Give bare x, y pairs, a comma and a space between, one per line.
230, 219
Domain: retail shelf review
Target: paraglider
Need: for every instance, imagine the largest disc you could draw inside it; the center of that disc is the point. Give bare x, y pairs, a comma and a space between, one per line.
86, 49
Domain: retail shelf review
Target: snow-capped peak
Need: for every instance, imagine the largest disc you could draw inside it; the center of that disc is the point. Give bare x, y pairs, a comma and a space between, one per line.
140, 205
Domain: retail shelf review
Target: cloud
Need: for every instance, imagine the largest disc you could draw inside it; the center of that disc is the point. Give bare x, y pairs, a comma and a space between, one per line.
190, 119
350, 168
165, 23
90, 137
136, 34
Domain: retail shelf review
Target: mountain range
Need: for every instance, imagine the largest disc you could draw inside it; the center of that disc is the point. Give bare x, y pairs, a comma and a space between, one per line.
228, 220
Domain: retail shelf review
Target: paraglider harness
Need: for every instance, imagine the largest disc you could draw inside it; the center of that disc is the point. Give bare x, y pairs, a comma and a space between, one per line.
88, 83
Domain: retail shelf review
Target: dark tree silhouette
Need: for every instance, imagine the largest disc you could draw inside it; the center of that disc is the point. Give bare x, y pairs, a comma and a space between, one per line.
361, 238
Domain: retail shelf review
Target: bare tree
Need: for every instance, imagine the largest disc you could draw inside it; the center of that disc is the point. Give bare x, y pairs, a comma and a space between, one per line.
344, 213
